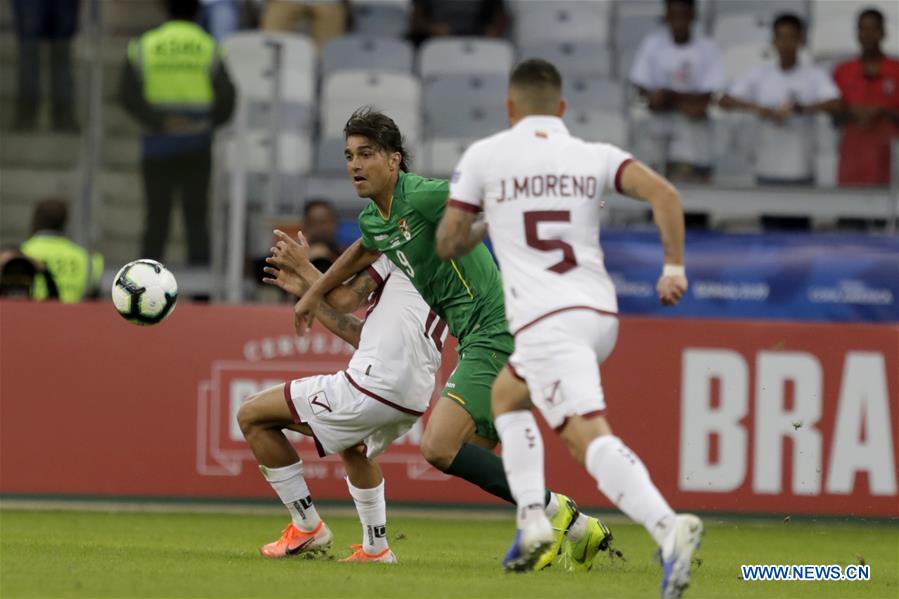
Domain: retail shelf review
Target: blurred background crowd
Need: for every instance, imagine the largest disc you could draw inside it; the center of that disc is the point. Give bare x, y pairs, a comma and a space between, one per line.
772, 114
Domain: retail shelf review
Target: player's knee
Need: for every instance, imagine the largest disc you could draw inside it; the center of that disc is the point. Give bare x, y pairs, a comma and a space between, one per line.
437, 452
247, 416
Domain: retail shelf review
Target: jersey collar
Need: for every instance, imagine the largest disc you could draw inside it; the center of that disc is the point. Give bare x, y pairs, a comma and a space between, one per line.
538, 123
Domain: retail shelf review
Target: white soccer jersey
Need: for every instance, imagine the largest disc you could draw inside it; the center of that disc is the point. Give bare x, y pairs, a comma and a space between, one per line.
694, 67
540, 189
400, 345
785, 151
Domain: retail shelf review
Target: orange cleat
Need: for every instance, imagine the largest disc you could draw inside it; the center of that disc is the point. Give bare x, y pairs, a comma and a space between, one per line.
385, 557
294, 541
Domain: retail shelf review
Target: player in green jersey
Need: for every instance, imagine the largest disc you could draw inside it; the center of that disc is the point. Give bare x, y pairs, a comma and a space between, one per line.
401, 221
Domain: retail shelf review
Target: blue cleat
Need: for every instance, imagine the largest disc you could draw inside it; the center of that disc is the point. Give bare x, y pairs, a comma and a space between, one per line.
676, 553
529, 545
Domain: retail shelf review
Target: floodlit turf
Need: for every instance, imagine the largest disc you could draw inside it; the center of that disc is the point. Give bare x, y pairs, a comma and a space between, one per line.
84, 554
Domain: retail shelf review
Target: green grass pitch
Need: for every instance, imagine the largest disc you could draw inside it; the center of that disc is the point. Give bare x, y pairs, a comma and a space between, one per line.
140, 554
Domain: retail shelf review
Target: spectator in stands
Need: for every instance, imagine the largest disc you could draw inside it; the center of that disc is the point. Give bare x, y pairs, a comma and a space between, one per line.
76, 275
870, 88
19, 273
677, 70
784, 94
220, 18
320, 230
53, 21
437, 18
323, 19
176, 86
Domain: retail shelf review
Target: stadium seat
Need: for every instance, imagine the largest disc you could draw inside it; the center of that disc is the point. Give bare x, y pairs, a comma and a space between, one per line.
833, 31
607, 126
592, 93
381, 18
251, 59
329, 158
465, 105
398, 95
741, 29
468, 55
573, 59
562, 20
441, 155
734, 143
336, 189
767, 8
294, 152
366, 52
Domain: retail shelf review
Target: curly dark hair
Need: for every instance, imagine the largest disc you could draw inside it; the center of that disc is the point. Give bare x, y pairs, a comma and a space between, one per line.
380, 130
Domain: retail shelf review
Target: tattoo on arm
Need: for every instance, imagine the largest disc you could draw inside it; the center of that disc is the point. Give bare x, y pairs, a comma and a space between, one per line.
345, 326
362, 285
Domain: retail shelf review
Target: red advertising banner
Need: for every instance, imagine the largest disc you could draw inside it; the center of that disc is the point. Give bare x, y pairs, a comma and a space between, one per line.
729, 416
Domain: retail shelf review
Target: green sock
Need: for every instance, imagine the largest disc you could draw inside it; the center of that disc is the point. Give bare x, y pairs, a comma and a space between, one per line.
485, 469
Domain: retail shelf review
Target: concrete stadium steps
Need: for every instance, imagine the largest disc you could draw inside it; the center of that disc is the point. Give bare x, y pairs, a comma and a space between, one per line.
111, 74
54, 150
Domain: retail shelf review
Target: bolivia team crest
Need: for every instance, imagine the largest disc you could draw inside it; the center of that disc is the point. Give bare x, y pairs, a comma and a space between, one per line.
404, 229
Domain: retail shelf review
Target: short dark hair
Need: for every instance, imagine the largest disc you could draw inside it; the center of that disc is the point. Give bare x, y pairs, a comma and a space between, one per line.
183, 9
380, 129
314, 203
536, 73
788, 18
50, 214
874, 14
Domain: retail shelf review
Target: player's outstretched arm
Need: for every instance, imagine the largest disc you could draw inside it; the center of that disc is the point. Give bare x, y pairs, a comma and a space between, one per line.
459, 232
641, 182
345, 326
353, 260
293, 254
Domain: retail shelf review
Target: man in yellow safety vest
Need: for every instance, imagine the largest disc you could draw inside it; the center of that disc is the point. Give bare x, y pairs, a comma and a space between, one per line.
175, 84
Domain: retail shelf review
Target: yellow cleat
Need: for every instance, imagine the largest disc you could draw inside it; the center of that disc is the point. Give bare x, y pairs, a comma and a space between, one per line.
579, 555
560, 523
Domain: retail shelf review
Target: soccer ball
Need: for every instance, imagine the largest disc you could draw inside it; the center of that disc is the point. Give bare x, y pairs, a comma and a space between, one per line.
144, 292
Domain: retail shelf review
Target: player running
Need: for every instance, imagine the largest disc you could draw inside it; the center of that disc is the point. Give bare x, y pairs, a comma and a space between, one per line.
400, 222
540, 189
356, 413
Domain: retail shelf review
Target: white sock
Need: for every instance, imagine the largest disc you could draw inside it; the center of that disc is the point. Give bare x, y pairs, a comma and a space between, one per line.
289, 484
523, 462
623, 478
552, 508
577, 528
372, 510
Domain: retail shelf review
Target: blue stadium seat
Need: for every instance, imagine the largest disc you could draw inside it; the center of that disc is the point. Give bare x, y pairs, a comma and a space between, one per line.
469, 55
562, 20
463, 106
366, 52
572, 58
381, 18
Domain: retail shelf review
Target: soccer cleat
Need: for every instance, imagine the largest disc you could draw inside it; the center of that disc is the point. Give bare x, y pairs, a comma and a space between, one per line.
565, 515
385, 557
529, 545
676, 553
579, 555
294, 541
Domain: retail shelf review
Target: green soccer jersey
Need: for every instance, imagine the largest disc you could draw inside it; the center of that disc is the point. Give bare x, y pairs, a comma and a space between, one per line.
466, 292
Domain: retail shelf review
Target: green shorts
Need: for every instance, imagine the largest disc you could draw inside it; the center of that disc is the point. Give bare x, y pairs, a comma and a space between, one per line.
470, 383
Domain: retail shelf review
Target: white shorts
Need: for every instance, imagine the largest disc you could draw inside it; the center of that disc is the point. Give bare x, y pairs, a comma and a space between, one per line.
342, 416
558, 357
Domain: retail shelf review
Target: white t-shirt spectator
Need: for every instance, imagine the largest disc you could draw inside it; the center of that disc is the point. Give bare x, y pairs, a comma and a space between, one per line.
694, 67
787, 151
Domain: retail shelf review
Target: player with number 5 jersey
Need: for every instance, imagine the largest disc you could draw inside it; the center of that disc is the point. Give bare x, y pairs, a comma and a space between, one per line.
541, 190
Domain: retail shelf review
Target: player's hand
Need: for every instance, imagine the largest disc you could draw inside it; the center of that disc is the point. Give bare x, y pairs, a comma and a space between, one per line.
304, 312
671, 289
289, 253
285, 280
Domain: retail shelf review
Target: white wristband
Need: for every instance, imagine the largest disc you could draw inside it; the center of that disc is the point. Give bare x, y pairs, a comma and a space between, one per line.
674, 270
